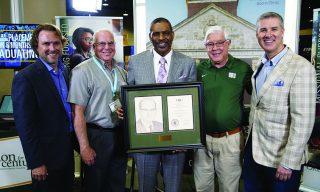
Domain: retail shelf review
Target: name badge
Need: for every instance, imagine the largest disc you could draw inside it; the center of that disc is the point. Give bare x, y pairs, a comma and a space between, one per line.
115, 105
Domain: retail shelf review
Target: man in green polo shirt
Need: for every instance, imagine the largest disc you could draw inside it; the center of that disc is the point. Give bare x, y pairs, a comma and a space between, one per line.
224, 78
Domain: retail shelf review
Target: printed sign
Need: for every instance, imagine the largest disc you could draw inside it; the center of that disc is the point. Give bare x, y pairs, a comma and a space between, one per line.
13, 165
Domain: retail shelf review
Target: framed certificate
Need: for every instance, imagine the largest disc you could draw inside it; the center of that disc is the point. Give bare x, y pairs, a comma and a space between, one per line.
163, 116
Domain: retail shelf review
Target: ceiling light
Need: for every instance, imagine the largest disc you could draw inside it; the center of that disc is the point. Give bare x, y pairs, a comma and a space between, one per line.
87, 5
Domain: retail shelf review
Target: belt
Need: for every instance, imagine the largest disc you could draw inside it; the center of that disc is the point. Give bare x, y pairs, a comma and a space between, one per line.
94, 126
218, 135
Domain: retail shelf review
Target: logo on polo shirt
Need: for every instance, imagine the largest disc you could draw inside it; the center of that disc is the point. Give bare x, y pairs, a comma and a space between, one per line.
232, 75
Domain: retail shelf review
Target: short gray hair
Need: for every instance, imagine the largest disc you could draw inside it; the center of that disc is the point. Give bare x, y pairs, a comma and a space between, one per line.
270, 15
215, 29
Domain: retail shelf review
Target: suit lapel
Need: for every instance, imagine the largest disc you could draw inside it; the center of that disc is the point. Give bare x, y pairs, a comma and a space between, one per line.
174, 66
148, 67
276, 73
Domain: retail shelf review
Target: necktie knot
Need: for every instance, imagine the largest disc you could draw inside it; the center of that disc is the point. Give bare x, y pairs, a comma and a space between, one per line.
162, 61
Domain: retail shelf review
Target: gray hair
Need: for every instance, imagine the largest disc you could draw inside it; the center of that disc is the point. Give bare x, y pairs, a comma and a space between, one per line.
270, 15
102, 31
215, 29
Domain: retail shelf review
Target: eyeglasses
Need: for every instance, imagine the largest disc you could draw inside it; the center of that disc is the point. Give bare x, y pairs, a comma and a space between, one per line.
87, 39
156, 34
217, 44
103, 44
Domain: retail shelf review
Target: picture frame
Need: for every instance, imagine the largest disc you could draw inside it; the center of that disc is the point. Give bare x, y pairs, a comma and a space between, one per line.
160, 117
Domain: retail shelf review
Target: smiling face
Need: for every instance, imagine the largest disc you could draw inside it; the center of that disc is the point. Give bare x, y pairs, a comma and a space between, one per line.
217, 48
161, 36
49, 47
270, 36
104, 46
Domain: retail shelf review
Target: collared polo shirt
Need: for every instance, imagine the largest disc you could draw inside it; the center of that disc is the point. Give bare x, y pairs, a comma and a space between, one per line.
223, 93
89, 87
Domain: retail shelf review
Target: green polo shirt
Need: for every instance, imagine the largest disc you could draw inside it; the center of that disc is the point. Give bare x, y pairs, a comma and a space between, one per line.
223, 93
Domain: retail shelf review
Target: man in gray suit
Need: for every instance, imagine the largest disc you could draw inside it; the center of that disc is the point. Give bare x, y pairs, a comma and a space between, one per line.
160, 65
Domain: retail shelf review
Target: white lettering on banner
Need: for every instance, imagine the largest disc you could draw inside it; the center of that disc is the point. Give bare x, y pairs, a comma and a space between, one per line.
19, 37
66, 49
13, 165
17, 54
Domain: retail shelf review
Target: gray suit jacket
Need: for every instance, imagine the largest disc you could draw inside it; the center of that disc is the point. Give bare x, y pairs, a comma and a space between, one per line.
141, 69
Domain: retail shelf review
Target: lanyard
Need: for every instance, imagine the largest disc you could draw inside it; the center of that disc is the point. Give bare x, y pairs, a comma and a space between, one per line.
114, 84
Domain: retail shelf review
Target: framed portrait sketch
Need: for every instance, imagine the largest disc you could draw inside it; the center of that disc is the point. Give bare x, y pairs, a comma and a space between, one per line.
163, 116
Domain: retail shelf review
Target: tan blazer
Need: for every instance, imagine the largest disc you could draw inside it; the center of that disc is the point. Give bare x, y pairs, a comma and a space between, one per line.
282, 116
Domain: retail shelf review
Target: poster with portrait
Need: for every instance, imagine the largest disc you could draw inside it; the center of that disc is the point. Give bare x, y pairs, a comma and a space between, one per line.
15, 48
149, 118
163, 116
68, 24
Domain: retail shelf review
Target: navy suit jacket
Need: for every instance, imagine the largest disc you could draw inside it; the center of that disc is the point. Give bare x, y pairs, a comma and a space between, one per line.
40, 118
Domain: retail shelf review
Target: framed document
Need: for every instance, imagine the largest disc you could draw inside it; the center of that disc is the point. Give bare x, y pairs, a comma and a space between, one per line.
163, 116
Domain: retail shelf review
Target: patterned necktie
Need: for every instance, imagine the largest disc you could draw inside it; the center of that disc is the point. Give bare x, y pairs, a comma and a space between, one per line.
162, 74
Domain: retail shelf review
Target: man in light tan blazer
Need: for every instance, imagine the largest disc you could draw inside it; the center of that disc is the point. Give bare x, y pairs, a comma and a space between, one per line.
282, 112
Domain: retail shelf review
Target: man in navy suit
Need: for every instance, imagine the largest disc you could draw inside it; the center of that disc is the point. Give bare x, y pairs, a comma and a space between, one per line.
144, 69
42, 115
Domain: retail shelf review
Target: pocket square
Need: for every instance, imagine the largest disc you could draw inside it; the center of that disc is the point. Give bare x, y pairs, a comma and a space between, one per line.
279, 83
182, 77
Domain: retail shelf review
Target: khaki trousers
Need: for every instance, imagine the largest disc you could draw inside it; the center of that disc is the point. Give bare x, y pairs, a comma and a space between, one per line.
222, 157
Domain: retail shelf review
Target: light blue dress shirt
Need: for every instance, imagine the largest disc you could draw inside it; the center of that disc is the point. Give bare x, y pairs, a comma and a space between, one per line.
268, 66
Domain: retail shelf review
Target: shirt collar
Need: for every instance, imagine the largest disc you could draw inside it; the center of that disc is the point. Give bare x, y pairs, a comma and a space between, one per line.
157, 57
228, 65
101, 62
275, 60
60, 65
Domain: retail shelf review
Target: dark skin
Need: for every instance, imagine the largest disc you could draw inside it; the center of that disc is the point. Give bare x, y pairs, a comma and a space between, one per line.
161, 37
162, 44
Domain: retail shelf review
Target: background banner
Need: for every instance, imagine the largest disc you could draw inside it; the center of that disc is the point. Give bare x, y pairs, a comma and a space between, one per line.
15, 49
68, 24
315, 50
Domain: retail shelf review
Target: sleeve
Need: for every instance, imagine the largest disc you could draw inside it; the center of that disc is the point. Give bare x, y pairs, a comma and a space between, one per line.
193, 71
130, 79
247, 79
302, 112
26, 117
79, 92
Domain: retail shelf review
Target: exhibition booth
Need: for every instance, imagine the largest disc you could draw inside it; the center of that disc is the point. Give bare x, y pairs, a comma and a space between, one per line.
16, 54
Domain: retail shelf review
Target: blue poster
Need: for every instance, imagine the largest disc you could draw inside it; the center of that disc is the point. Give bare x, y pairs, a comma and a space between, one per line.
15, 49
